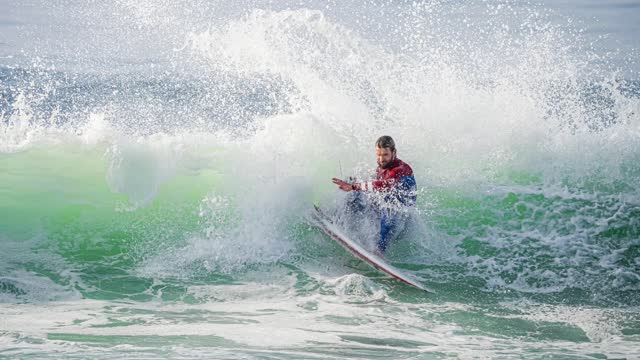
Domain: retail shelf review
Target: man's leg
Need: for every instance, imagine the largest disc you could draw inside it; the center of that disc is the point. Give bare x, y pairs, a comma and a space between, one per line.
355, 202
391, 225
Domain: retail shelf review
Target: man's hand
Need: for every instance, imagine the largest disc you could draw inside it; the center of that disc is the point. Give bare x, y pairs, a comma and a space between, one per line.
343, 185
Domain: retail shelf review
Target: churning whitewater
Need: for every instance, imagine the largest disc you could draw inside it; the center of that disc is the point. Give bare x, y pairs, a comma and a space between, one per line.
159, 163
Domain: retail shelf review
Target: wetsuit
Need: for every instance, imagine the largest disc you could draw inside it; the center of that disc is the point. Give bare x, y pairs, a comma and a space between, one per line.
397, 188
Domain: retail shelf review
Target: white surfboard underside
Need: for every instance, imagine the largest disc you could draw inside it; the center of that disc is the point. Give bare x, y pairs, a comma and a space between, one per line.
325, 224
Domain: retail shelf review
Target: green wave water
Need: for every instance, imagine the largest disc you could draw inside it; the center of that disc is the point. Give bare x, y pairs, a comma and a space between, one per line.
516, 264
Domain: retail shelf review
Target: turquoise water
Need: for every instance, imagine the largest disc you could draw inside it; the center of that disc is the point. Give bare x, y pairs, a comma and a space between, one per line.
158, 167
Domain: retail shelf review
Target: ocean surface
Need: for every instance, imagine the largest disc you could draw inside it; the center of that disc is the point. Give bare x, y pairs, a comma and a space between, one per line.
159, 161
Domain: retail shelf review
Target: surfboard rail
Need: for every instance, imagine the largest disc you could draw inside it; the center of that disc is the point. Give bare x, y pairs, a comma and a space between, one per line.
326, 225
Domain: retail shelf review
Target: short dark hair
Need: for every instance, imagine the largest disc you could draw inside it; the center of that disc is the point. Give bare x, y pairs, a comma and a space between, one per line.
386, 142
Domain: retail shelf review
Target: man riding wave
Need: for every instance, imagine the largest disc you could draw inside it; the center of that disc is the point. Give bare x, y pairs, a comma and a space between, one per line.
395, 187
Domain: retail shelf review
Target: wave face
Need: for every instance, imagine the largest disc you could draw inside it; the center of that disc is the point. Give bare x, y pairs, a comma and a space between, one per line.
158, 164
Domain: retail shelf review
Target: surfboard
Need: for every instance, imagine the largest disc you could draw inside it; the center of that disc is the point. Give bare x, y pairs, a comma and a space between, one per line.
327, 226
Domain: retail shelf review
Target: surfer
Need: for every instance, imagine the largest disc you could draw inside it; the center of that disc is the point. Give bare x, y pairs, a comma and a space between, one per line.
394, 188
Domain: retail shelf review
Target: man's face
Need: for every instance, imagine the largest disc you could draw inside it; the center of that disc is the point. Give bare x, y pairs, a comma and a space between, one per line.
385, 156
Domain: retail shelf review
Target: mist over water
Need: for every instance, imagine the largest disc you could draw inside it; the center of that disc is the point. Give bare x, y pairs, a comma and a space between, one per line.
158, 161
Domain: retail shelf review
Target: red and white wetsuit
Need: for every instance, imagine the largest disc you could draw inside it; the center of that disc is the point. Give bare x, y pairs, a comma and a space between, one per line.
397, 178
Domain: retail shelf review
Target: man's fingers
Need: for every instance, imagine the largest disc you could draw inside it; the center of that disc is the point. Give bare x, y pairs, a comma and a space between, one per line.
343, 185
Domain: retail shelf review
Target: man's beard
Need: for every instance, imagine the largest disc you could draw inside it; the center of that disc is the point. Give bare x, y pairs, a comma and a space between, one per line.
385, 165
